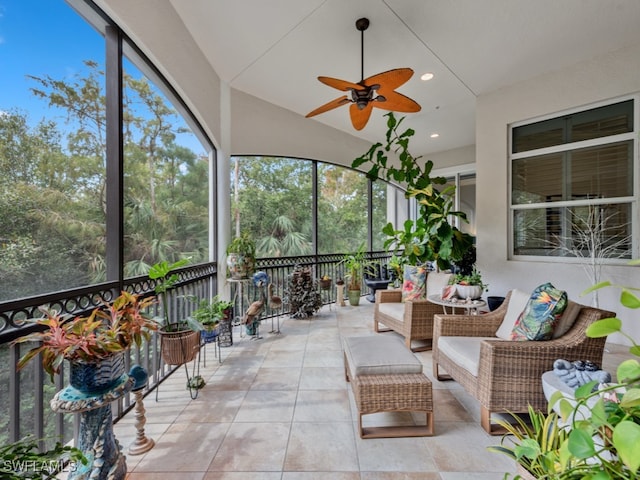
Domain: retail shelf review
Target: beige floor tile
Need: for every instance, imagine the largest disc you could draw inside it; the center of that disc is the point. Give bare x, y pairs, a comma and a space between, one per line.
277, 378
320, 378
267, 406
446, 451
400, 476
322, 406
165, 476
321, 447
395, 455
321, 476
184, 447
213, 406
252, 447
242, 476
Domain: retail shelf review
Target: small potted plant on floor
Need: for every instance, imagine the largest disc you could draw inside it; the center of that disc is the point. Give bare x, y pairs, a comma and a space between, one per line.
355, 264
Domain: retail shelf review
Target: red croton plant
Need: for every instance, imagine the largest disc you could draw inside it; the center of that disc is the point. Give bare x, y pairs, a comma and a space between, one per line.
111, 328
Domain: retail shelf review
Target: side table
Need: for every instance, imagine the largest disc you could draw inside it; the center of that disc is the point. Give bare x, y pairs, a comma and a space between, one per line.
471, 306
96, 438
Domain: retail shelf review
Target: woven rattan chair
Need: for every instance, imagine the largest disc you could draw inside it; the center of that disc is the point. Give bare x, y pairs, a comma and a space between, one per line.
509, 372
412, 319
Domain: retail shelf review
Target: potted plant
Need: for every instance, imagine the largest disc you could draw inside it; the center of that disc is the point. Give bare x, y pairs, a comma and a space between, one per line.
469, 286
93, 345
241, 257
396, 269
601, 424
209, 314
431, 237
355, 264
22, 460
179, 340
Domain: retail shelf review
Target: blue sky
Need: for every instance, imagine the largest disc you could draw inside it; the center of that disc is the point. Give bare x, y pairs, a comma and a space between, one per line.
39, 37
47, 37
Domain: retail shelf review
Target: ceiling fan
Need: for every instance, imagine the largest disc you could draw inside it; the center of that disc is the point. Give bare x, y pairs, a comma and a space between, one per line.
375, 91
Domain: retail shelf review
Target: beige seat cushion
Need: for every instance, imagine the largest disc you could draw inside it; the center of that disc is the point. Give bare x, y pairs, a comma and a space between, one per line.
379, 355
464, 351
392, 309
517, 303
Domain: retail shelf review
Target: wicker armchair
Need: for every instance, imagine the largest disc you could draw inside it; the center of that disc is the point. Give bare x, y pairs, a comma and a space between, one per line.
412, 319
509, 372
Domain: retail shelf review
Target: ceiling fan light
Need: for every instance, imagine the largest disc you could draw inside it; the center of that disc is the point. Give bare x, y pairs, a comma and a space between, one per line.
426, 76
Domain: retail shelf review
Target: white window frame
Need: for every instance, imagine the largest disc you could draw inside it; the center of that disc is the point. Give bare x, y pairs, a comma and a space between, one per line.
633, 200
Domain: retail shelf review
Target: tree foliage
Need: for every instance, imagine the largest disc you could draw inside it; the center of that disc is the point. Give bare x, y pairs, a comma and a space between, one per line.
431, 237
53, 180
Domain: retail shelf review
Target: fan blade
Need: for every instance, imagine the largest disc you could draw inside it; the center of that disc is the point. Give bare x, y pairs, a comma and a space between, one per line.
359, 118
396, 102
338, 102
390, 79
340, 84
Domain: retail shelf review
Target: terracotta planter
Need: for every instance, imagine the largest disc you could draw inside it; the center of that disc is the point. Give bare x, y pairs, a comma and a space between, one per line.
96, 377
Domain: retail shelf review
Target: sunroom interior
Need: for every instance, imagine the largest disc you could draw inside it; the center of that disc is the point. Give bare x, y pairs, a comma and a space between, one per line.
532, 112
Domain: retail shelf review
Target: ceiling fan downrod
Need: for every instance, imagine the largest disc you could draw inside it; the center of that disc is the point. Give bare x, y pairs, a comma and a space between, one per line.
362, 24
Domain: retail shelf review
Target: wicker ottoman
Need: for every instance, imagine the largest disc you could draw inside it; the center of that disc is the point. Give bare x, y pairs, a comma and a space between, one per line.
386, 377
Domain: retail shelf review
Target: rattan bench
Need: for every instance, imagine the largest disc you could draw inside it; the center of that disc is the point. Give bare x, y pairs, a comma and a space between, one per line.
386, 377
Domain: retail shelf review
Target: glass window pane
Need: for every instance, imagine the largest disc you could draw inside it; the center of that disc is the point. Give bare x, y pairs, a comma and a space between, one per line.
51, 149
467, 196
594, 123
166, 179
602, 230
598, 172
342, 209
379, 203
271, 199
602, 172
537, 179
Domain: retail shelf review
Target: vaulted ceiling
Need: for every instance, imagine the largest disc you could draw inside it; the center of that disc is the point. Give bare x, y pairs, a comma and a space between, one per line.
276, 49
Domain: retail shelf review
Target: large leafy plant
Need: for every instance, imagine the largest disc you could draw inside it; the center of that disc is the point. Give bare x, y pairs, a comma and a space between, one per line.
431, 237
109, 329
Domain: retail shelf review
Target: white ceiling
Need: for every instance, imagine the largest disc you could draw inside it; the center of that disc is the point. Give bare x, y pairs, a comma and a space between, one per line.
276, 49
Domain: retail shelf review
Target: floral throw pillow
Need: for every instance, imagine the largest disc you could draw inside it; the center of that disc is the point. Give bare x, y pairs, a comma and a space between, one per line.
543, 310
414, 285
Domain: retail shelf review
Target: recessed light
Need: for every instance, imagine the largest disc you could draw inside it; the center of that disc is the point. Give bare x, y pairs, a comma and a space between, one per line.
434, 135
426, 76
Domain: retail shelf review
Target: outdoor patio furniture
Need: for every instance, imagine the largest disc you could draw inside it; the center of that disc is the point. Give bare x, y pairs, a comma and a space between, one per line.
386, 377
413, 319
505, 375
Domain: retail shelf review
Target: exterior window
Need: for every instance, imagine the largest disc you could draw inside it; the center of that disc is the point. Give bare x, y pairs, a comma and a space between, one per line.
572, 184
166, 176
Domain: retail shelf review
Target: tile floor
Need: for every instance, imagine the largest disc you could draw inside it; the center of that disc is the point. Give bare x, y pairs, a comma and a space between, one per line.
279, 408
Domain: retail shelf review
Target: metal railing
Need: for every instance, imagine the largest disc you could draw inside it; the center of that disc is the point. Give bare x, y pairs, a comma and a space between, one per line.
25, 395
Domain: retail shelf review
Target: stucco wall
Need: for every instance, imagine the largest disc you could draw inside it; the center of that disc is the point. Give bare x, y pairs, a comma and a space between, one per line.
261, 128
605, 77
